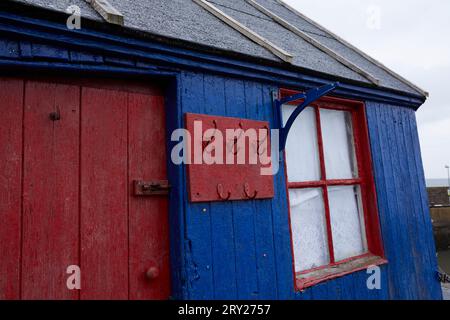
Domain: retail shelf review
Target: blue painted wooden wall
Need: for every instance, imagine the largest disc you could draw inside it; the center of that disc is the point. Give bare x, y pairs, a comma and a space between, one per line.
230, 247
403, 203
242, 250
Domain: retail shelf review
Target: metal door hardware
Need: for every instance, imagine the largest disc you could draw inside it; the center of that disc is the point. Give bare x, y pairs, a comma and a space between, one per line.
151, 188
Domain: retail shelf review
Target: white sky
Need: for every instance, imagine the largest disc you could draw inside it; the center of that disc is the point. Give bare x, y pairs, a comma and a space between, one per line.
412, 37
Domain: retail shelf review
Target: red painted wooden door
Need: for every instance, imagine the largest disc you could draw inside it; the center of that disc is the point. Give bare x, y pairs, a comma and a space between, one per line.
66, 191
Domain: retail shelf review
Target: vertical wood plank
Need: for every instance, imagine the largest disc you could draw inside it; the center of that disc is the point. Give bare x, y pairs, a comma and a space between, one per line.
281, 227
430, 260
401, 190
389, 206
406, 201
255, 95
174, 120
11, 96
199, 273
222, 233
374, 128
148, 226
418, 224
104, 197
243, 211
50, 196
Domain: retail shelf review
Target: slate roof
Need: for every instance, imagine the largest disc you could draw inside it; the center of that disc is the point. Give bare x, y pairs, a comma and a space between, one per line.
186, 20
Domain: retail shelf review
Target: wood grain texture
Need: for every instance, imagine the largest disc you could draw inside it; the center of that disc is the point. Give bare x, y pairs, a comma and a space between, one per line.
258, 105
239, 182
175, 173
198, 234
148, 216
402, 201
233, 239
242, 213
104, 194
120, 236
50, 195
222, 235
11, 97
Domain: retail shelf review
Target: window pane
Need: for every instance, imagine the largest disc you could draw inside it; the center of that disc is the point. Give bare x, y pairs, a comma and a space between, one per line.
309, 233
347, 222
302, 154
338, 144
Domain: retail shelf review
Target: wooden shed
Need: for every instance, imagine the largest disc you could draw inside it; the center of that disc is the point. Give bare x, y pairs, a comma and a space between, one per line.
92, 94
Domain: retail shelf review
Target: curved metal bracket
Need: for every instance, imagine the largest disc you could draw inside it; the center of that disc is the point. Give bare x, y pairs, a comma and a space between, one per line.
308, 98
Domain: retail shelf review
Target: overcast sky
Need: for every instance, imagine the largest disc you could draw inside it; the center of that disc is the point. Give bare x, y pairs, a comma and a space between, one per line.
412, 37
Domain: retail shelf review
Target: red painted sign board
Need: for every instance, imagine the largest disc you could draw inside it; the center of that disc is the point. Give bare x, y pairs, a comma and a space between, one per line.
225, 176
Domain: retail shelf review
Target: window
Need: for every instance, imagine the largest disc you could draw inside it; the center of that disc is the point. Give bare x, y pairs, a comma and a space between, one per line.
333, 212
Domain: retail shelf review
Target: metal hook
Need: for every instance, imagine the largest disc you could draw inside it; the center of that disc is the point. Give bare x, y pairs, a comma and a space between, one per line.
247, 192
220, 192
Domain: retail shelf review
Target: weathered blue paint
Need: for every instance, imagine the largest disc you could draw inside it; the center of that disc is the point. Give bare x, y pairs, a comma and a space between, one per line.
176, 196
402, 201
242, 250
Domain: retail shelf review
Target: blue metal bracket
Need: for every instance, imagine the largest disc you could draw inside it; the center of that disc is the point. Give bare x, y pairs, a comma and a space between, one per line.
308, 97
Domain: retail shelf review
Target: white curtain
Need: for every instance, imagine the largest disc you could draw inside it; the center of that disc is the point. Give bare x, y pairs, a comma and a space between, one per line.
309, 231
339, 150
302, 155
347, 222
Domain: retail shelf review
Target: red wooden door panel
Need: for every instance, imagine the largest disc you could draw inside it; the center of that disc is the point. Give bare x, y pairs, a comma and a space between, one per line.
50, 194
66, 195
104, 208
11, 108
149, 242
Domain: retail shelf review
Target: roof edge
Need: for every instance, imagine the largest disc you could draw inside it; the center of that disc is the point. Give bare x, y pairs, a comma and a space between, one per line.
314, 42
362, 53
42, 16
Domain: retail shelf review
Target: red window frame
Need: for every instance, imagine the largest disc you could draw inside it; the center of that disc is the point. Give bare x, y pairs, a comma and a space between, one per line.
375, 254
